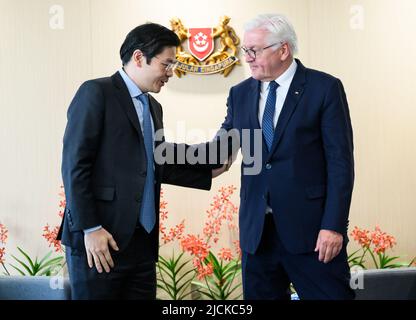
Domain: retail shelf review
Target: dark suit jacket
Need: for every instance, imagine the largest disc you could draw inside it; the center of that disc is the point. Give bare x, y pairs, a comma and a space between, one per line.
308, 174
104, 164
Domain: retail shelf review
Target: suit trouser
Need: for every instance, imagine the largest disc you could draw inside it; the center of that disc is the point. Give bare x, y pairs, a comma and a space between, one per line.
133, 275
267, 274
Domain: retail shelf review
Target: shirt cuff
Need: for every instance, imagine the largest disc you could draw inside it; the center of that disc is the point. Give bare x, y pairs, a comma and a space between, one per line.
92, 229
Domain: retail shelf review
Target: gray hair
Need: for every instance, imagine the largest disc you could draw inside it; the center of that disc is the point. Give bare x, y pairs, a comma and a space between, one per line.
279, 27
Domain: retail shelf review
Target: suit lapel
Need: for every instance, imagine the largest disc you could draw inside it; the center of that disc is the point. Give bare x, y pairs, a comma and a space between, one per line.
155, 111
253, 99
156, 116
126, 102
292, 99
123, 97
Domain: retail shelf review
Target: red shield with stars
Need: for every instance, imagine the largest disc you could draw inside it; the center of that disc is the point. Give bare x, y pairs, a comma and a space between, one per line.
200, 43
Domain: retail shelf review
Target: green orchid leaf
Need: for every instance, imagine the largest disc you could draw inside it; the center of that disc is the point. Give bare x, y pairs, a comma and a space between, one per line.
27, 257
45, 257
29, 271
18, 270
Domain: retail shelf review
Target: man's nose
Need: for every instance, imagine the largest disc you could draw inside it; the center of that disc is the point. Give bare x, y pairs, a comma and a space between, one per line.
248, 58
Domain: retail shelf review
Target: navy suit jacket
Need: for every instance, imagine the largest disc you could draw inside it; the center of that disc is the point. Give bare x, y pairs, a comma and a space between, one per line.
308, 175
104, 164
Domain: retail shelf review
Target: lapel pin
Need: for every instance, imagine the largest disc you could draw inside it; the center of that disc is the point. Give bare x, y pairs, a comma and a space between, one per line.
296, 92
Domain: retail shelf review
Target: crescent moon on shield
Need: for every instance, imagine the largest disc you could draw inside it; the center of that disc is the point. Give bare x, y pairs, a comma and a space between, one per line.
200, 49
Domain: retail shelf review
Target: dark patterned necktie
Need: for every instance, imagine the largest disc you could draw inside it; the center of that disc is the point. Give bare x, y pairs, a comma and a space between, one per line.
268, 115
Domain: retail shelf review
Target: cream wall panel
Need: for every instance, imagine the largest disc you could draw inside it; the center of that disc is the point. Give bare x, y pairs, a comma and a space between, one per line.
40, 69
376, 66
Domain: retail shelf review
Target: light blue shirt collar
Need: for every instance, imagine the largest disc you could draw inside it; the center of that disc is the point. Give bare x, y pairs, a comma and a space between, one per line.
134, 90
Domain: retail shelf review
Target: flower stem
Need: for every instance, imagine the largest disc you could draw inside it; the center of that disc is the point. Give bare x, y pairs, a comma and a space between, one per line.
374, 259
362, 256
209, 287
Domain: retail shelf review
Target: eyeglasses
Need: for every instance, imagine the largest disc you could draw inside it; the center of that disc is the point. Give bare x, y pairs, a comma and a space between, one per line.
169, 66
253, 53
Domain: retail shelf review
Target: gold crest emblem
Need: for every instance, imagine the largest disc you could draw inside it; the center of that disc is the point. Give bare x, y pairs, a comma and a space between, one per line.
201, 58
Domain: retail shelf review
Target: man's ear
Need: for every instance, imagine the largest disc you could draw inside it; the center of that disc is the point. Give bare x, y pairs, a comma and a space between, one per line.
138, 58
285, 51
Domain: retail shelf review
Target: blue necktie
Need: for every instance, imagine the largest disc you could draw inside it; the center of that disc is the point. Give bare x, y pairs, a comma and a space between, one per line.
147, 210
268, 115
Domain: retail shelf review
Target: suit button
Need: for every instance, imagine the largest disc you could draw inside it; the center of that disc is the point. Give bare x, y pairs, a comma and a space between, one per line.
143, 174
138, 198
268, 166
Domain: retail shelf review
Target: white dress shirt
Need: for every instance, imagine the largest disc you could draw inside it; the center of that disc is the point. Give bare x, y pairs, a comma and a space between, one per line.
284, 82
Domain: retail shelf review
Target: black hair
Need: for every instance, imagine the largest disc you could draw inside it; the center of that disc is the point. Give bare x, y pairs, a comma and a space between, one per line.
150, 38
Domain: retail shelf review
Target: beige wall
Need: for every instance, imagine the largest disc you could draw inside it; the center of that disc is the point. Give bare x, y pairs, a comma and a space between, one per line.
40, 69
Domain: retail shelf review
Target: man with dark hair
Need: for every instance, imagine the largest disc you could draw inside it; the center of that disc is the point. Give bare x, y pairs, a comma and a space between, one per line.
112, 183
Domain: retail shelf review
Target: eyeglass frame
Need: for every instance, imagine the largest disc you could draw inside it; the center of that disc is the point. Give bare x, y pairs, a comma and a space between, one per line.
170, 66
247, 51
